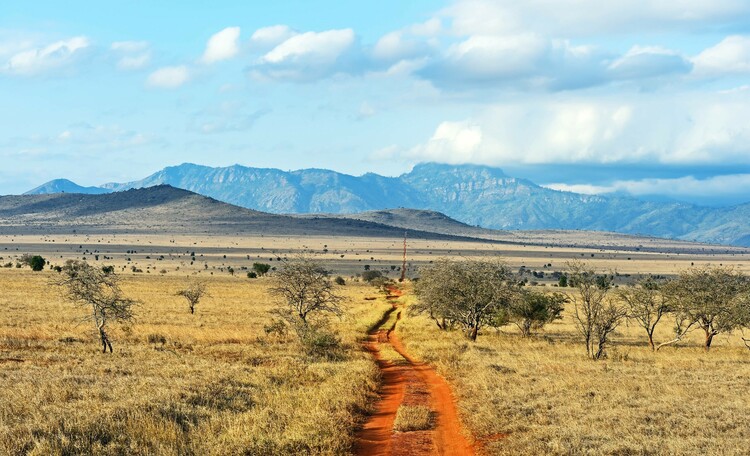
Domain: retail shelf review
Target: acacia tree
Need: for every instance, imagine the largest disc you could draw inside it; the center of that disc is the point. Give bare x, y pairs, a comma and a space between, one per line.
193, 293
713, 299
646, 304
533, 310
596, 315
469, 293
100, 291
306, 289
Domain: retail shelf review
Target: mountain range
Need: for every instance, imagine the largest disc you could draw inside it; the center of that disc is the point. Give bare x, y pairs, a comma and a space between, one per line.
475, 195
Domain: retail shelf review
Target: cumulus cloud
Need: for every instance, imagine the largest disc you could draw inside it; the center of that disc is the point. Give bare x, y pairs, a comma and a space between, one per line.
452, 142
649, 61
306, 56
132, 55
696, 129
38, 60
169, 77
269, 37
690, 188
593, 17
222, 45
730, 56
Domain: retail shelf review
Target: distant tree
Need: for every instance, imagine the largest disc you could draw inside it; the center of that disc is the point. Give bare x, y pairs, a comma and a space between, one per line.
563, 281
88, 286
108, 269
305, 289
193, 292
712, 298
596, 315
261, 268
645, 304
37, 263
369, 275
532, 310
468, 293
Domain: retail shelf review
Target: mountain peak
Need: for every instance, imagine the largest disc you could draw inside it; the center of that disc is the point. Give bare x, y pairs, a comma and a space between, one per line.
64, 186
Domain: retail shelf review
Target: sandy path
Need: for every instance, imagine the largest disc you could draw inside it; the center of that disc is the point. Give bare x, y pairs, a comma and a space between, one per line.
410, 383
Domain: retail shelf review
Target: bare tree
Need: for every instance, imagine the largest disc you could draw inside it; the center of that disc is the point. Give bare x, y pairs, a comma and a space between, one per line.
533, 310
469, 293
710, 298
646, 305
596, 315
306, 289
100, 291
193, 292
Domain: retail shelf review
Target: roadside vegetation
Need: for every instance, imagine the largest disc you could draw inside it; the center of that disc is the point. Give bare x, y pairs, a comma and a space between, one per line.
589, 380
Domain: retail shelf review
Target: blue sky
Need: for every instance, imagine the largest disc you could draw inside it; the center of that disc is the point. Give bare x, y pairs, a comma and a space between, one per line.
636, 97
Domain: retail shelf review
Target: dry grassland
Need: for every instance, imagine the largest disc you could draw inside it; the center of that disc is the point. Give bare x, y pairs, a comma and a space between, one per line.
214, 383
209, 383
541, 395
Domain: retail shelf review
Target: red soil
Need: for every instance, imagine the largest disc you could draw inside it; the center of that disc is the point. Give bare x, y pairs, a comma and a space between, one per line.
413, 383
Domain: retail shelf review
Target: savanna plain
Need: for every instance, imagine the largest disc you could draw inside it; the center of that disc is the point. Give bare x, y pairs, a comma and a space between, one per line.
225, 380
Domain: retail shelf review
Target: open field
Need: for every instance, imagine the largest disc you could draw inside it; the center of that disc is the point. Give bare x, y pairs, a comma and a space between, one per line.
541, 395
153, 253
209, 383
214, 383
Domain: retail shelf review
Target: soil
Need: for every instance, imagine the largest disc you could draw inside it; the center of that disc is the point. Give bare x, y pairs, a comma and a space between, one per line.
409, 382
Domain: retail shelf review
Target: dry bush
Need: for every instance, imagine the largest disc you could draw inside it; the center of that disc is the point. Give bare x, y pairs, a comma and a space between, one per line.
413, 418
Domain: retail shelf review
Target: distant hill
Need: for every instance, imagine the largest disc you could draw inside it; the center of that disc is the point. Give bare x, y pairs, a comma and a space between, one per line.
170, 210
475, 195
65, 186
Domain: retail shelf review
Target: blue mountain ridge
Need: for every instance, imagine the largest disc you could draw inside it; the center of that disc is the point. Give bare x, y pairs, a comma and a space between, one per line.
474, 194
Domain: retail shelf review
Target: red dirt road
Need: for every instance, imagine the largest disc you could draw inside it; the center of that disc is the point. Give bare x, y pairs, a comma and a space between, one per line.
410, 383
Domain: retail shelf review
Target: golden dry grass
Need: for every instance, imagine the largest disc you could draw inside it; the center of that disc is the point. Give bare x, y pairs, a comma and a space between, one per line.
550, 399
209, 383
413, 418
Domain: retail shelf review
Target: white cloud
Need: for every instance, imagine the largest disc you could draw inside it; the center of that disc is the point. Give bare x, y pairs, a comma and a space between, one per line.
132, 55
593, 17
687, 187
593, 128
41, 59
307, 56
270, 37
222, 45
648, 61
730, 56
452, 142
169, 77
323, 47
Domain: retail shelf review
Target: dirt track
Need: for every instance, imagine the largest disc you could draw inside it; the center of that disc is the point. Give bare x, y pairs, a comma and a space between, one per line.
410, 383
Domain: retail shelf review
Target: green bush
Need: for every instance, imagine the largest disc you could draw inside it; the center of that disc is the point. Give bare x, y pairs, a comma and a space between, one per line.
37, 263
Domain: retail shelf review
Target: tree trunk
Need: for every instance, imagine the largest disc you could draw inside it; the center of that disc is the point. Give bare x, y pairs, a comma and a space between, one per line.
192, 309
526, 329
651, 341
709, 338
473, 332
105, 340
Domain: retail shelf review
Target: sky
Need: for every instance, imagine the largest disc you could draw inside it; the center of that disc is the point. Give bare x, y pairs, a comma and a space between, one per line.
649, 98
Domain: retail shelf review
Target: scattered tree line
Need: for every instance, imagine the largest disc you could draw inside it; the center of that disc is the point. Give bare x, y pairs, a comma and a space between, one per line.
475, 294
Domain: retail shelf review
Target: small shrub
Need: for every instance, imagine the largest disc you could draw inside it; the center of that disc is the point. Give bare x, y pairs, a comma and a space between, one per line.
340, 281
37, 263
156, 339
252, 275
413, 418
369, 275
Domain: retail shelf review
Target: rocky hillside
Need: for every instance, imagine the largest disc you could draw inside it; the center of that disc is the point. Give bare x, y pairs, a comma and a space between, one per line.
475, 195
